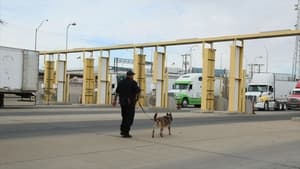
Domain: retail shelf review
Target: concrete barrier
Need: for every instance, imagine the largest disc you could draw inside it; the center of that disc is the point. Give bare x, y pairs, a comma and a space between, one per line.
221, 103
249, 106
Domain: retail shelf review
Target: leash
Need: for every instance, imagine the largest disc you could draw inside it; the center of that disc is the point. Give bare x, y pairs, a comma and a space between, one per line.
150, 118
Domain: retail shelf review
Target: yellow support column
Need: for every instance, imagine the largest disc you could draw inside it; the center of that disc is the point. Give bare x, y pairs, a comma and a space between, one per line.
109, 92
108, 89
104, 89
242, 104
159, 62
165, 91
208, 79
154, 67
67, 91
60, 80
165, 81
236, 78
140, 76
88, 81
49, 81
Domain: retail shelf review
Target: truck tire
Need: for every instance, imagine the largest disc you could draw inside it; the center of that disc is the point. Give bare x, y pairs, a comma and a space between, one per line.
277, 106
1, 100
198, 105
280, 106
283, 106
185, 102
266, 106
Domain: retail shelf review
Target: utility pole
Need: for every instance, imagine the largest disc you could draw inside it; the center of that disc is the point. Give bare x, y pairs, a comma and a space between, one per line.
185, 62
296, 58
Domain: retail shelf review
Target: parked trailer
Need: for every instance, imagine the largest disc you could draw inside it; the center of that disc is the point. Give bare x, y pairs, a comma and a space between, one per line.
18, 72
270, 90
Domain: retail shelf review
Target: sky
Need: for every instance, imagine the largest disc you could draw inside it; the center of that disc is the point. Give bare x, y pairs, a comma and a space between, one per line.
113, 22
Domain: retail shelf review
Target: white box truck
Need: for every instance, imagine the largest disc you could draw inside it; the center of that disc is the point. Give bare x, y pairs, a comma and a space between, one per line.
270, 90
18, 72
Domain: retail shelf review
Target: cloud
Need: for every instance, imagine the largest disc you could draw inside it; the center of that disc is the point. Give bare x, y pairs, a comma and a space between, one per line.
102, 22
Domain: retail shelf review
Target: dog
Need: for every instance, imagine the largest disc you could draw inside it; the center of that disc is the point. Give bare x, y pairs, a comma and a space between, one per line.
161, 122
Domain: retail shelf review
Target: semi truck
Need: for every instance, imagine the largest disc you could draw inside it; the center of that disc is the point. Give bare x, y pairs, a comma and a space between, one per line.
18, 72
270, 90
294, 98
187, 89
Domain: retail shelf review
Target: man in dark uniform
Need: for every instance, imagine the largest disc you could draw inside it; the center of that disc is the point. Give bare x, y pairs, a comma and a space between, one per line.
128, 92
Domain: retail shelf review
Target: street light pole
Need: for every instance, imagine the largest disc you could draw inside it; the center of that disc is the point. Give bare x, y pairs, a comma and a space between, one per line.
36, 31
191, 56
258, 64
185, 62
267, 58
67, 36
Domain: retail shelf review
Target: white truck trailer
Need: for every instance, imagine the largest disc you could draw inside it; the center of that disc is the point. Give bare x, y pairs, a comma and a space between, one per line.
270, 90
18, 72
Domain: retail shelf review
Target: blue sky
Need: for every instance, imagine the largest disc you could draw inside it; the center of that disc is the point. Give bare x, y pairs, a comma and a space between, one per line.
103, 22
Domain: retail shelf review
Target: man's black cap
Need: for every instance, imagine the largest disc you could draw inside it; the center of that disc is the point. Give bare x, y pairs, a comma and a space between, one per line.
130, 73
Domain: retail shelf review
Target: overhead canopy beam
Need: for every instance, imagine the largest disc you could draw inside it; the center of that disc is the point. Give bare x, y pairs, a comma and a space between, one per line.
260, 35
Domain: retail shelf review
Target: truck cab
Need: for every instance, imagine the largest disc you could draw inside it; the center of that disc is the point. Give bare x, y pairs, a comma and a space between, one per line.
187, 89
269, 91
294, 98
262, 94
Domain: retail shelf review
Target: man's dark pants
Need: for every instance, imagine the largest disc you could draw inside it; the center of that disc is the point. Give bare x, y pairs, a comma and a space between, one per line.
128, 111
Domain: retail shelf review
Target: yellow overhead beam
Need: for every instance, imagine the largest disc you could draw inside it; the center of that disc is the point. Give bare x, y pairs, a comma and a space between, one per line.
260, 35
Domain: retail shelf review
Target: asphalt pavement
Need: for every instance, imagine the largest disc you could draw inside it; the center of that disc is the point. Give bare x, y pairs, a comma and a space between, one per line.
89, 138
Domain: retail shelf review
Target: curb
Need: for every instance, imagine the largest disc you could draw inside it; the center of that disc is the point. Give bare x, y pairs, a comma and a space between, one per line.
222, 113
295, 118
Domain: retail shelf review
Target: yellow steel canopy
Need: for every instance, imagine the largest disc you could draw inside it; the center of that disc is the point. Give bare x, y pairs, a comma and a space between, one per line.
260, 35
